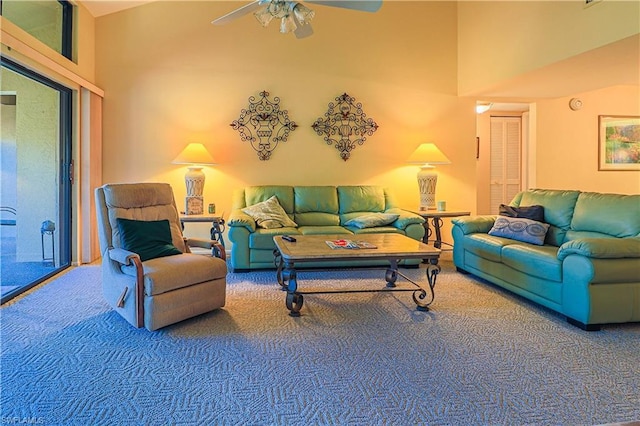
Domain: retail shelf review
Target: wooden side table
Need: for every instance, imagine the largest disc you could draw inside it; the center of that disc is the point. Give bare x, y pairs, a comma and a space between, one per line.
217, 224
436, 221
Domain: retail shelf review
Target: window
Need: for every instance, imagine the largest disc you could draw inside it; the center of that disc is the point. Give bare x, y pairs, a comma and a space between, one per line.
50, 21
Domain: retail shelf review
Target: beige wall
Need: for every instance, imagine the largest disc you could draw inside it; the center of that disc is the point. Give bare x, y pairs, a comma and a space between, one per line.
170, 78
502, 40
567, 141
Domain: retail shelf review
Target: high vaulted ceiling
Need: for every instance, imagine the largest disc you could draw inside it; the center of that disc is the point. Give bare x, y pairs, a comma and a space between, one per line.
105, 7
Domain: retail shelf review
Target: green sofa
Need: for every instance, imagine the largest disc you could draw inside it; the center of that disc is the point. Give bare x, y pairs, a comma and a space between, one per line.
317, 210
588, 268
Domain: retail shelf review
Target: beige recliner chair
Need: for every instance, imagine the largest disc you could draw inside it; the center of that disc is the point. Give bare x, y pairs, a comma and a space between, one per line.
163, 290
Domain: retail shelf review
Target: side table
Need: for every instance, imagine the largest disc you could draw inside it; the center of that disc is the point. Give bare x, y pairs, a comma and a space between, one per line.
217, 224
436, 221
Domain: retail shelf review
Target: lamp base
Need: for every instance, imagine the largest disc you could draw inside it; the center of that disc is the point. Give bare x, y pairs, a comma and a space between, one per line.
194, 180
427, 180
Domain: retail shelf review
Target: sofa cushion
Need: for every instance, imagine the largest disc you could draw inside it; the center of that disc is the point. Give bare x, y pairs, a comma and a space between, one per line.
148, 238
323, 230
541, 262
316, 199
371, 220
263, 238
361, 199
377, 230
521, 229
269, 214
528, 212
316, 218
256, 194
487, 246
558, 210
611, 214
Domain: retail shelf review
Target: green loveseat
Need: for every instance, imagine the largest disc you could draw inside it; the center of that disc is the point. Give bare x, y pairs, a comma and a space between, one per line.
317, 210
588, 268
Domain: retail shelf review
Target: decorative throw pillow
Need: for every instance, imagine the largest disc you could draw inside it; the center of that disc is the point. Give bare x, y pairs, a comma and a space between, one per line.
521, 229
527, 212
149, 239
372, 220
269, 214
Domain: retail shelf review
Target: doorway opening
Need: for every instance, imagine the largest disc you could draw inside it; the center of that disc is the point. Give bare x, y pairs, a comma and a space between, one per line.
35, 161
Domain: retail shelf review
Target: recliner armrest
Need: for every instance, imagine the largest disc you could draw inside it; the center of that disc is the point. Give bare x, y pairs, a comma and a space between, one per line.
240, 218
601, 248
122, 256
217, 248
474, 224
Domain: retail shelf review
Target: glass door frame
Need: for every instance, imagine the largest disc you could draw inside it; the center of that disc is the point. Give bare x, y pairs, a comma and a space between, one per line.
66, 172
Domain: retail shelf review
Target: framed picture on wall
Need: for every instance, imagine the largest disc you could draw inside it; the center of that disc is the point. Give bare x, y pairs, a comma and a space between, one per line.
618, 142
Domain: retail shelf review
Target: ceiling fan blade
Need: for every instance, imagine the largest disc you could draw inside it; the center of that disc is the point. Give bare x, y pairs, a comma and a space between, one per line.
244, 10
361, 5
302, 31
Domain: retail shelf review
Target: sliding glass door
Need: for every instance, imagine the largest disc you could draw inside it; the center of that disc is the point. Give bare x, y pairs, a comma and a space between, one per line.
35, 163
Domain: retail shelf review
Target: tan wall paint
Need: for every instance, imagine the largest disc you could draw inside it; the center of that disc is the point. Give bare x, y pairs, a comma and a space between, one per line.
170, 78
501, 40
567, 142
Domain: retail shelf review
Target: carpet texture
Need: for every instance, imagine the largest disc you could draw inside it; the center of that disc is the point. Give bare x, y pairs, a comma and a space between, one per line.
481, 356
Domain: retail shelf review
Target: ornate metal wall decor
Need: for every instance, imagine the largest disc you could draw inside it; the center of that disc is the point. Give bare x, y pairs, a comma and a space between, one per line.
264, 124
345, 125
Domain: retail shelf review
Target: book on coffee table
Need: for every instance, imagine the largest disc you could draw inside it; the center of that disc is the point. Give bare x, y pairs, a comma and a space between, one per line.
350, 244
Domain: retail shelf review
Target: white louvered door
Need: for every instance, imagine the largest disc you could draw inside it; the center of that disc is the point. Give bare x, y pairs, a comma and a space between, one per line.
506, 166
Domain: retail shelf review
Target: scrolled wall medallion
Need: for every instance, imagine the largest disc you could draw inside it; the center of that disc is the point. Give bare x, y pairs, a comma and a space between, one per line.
264, 124
345, 125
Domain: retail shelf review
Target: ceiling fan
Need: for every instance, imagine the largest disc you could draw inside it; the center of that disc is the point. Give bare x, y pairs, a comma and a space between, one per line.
294, 16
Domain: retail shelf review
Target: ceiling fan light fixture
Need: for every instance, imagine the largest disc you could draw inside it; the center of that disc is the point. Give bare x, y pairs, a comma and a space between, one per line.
303, 13
264, 16
287, 25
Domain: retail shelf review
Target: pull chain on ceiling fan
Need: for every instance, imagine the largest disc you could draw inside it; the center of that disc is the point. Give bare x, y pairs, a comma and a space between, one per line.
294, 16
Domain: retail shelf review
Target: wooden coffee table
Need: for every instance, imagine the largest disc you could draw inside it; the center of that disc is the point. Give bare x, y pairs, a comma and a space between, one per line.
390, 247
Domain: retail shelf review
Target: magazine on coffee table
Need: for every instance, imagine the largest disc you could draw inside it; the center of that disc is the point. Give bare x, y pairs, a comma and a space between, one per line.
350, 244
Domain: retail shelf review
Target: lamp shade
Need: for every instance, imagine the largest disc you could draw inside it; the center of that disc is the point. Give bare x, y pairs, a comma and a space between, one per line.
194, 153
428, 153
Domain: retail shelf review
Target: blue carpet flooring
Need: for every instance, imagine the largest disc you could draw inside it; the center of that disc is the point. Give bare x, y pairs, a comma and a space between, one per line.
481, 356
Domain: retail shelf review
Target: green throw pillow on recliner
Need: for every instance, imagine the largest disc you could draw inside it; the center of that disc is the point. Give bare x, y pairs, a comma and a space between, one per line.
149, 239
372, 220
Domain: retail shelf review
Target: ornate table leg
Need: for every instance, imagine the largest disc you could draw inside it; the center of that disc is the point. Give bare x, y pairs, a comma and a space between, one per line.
216, 231
392, 273
293, 301
420, 295
286, 276
437, 225
277, 260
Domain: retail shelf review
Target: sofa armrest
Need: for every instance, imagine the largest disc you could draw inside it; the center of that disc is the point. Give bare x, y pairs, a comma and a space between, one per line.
601, 248
122, 256
474, 224
405, 218
240, 218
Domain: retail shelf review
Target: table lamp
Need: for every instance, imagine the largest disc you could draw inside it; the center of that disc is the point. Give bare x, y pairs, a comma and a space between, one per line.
195, 155
427, 155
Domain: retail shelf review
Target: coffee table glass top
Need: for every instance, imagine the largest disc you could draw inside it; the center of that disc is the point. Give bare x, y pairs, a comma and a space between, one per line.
308, 247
